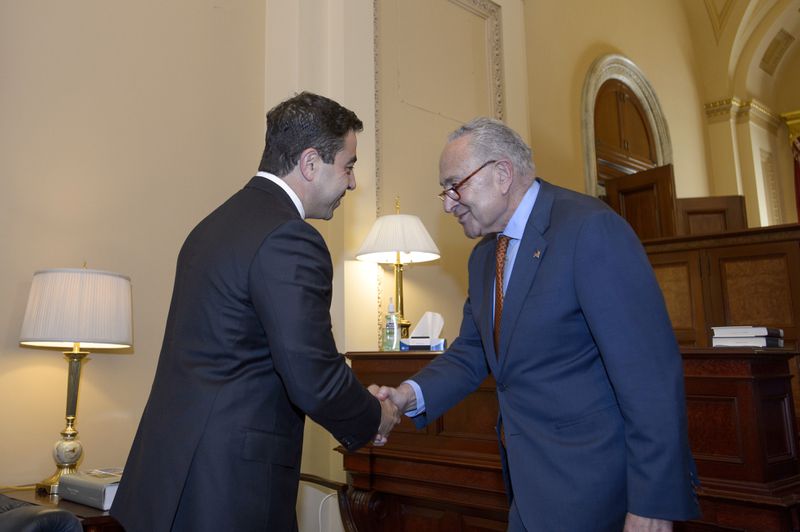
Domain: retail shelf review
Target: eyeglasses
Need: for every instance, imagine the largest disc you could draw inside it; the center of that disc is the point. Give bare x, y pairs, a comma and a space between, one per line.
452, 191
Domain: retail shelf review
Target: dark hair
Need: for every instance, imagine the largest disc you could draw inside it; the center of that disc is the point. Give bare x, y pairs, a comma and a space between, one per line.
304, 121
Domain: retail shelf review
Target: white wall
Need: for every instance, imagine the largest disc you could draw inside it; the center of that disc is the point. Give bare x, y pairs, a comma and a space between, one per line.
123, 124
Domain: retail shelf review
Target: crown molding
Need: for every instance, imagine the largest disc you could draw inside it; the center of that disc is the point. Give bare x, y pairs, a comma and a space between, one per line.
741, 111
792, 121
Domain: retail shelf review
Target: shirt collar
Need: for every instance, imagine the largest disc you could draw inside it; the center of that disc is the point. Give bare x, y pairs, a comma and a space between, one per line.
292, 194
516, 225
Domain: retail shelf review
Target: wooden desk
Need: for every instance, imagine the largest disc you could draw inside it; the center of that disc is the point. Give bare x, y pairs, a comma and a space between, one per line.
743, 437
92, 519
447, 477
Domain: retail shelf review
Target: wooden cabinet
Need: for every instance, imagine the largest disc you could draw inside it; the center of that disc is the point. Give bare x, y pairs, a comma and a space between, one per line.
749, 277
743, 436
447, 477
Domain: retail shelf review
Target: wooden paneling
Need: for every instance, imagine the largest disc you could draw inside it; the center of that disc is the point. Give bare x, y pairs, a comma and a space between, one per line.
678, 275
749, 277
756, 284
709, 215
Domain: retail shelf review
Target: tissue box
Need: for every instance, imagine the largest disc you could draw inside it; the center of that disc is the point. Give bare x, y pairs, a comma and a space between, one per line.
425, 336
422, 344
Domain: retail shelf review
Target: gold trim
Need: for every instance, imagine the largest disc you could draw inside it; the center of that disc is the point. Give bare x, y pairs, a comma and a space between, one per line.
734, 108
728, 107
792, 121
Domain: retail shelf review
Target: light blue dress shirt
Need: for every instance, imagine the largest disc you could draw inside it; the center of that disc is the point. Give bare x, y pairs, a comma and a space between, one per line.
514, 230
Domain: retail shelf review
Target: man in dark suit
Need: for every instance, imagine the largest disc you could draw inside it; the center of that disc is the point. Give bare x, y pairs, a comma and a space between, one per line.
248, 349
571, 322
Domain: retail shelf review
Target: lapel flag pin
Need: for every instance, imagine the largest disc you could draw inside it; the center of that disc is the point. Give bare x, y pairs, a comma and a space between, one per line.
537, 254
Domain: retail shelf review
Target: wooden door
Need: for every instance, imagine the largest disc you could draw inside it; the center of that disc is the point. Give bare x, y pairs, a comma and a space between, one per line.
624, 143
646, 200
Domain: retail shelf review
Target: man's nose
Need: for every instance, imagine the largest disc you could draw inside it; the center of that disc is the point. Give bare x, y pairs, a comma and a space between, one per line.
449, 204
351, 182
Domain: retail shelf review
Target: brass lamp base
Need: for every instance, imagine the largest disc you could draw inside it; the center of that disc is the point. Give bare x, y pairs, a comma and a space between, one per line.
67, 451
404, 326
49, 486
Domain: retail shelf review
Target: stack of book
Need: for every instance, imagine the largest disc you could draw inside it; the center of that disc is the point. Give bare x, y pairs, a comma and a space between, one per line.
746, 335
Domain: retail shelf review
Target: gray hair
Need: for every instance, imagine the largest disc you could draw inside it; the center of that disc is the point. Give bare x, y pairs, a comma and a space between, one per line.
492, 139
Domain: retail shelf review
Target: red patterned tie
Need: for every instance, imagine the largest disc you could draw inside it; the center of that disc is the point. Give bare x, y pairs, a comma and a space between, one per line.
500, 262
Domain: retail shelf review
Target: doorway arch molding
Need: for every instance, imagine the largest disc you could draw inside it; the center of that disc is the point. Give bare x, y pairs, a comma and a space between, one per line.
619, 67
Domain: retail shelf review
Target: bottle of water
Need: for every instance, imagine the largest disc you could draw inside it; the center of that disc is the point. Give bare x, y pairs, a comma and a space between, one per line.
391, 330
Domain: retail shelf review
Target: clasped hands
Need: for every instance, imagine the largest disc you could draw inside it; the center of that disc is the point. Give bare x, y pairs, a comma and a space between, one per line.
394, 402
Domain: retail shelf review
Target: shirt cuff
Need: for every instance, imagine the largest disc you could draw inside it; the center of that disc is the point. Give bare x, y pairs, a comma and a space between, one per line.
420, 399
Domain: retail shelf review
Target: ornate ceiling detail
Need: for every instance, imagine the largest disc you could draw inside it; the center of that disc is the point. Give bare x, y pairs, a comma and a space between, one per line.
718, 13
775, 51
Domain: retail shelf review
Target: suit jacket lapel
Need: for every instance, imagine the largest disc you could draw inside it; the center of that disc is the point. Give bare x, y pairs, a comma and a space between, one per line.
529, 255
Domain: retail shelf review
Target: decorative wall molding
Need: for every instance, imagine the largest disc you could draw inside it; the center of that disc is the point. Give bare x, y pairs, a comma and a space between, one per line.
720, 110
751, 111
491, 13
376, 66
773, 188
761, 115
614, 66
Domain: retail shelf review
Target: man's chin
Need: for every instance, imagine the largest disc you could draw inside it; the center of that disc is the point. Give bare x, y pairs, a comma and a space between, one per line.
470, 232
332, 209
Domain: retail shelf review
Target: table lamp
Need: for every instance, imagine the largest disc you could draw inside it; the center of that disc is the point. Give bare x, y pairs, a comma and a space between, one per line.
398, 239
77, 309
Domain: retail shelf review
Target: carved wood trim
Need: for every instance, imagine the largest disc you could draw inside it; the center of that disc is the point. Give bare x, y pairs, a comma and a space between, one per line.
614, 66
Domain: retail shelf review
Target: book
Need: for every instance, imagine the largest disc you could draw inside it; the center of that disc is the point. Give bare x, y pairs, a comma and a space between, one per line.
747, 331
746, 341
95, 488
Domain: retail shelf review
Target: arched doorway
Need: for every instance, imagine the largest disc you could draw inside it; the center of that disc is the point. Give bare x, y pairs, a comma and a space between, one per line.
624, 143
627, 102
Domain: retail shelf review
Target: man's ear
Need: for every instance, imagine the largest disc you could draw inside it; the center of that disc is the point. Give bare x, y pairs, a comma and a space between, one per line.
504, 173
309, 163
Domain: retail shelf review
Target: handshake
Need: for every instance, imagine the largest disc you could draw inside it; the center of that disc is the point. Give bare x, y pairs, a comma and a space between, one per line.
394, 402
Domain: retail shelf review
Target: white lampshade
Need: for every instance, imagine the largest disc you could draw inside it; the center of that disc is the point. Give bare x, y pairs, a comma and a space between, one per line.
393, 233
68, 306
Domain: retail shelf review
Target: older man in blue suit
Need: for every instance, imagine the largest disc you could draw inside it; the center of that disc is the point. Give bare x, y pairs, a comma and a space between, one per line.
564, 310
